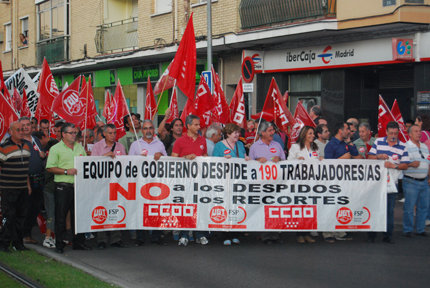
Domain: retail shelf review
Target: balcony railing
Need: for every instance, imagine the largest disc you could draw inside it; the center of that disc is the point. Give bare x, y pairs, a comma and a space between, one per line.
54, 50
254, 13
117, 36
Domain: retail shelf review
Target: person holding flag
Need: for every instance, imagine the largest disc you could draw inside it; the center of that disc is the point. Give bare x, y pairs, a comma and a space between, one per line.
365, 140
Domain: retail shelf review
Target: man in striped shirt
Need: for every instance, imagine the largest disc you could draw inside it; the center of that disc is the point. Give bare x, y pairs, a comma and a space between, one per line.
14, 187
396, 159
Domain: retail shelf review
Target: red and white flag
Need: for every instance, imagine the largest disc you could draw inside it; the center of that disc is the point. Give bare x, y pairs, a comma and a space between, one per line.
237, 106
7, 115
48, 91
384, 116
165, 82
275, 105
395, 110
151, 104
25, 112
16, 102
183, 66
301, 119
174, 111
285, 97
203, 103
120, 110
221, 111
108, 108
70, 104
3, 88
90, 105
188, 109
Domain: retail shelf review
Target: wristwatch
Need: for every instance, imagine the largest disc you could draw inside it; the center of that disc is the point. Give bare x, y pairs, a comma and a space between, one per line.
65, 171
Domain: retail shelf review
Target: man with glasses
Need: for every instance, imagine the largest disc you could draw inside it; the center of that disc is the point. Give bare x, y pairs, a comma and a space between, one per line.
148, 145
396, 158
14, 187
61, 162
416, 184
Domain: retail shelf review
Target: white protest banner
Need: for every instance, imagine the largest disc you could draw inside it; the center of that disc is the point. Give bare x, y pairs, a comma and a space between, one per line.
21, 80
221, 194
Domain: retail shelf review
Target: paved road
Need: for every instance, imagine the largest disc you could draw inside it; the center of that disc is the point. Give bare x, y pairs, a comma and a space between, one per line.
252, 264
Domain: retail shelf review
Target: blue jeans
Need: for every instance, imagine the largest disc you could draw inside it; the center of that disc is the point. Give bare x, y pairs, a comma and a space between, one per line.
391, 202
416, 194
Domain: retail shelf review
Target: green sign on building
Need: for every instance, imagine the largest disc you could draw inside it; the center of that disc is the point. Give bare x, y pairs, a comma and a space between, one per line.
141, 73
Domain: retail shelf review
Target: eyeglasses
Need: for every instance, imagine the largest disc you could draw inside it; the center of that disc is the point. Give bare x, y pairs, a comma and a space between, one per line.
71, 133
147, 128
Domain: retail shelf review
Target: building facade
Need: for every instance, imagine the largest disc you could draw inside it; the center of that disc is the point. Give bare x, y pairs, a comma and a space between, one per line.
337, 53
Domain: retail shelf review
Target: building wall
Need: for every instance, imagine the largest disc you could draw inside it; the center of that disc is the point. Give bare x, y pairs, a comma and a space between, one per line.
370, 12
85, 16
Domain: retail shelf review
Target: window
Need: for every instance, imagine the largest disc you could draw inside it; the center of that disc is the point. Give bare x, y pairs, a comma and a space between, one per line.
8, 37
52, 19
24, 26
163, 6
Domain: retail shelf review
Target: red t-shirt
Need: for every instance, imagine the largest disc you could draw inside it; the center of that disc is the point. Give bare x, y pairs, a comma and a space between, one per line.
186, 145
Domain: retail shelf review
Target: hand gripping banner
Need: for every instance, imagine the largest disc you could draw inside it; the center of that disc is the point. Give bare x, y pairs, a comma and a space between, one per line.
220, 194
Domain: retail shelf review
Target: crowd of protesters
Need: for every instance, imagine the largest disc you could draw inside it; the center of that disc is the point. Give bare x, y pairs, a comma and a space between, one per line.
37, 171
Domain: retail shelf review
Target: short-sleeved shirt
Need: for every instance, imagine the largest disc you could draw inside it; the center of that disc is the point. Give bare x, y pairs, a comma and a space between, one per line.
63, 157
36, 162
364, 148
210, 145
101, 148
141, 147
420, 154
321, 147
336, 149
260, 149
222, 150
397, 153
129, 138
14, 163
186, 145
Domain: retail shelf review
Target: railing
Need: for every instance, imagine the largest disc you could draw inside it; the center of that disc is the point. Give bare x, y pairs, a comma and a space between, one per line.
54, 50
119, 35
254, 13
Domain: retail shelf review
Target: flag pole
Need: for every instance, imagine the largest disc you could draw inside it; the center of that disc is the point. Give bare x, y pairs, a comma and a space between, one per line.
86, 111
259, 121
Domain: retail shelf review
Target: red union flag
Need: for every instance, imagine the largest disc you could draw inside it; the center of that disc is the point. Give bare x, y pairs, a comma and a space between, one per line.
108, 108
90, 110
151, 104
47, 87
183, 67
275, 105
174, 112
203, 103
237, 106
119, 111
384, 116
70, 105
221, 111
165, 82
3, 88
7, 115
16, 101
403, 133
301, 119
188, 109
25, 112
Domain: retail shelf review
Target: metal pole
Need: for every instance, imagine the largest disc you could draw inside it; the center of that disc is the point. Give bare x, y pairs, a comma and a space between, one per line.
209, 37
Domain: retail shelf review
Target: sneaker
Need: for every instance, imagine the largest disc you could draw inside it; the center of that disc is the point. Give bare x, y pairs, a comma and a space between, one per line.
227, 243
202, 240
235, 241
49, 243
402, 200
309, 239
183, 242
343, 238
427, 222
